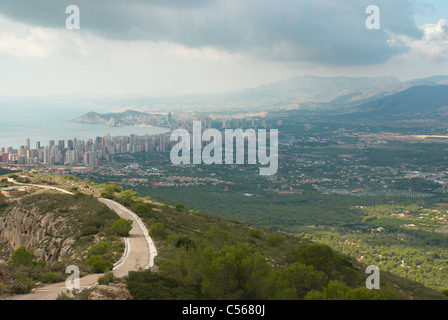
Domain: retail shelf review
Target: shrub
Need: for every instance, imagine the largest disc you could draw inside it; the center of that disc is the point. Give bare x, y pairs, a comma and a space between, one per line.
320, 256
23, 285
49, 277
305, 278
146, 285
275, 240
98, 249
74, 295
22, 257
121, 227
88, 230
158, 231
99, 265
108, 278
337, 290
143, 209
256, 234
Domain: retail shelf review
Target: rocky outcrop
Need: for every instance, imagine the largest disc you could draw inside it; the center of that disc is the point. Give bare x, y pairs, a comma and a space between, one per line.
113, 291
45, 234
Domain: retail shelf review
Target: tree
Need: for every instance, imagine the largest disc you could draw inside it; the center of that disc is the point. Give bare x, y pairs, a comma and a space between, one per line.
305, 278
49, 277
158, 231
99, 265
22, 257
144, 210
337, 290
122, 227
109, 190
217, 237
98, 249
228, 274
128, 197
320, 256
179, 207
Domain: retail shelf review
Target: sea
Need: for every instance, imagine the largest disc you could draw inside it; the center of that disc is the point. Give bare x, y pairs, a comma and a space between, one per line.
43, 120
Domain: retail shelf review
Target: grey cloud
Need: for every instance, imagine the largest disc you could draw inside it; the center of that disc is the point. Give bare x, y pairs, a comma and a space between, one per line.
325, 31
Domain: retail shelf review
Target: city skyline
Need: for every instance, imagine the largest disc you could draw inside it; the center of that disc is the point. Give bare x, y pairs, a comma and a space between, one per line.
90, 153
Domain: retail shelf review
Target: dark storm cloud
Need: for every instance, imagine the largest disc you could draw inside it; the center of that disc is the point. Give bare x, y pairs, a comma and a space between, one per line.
323, 31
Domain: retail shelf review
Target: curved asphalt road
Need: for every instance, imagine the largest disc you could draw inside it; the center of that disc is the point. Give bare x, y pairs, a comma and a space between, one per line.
139, 254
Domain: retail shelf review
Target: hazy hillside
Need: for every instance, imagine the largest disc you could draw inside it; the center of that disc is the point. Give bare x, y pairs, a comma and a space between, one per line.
304, 93
93, 117
423, 100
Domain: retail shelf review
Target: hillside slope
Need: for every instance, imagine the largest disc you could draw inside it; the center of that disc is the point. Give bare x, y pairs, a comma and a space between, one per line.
43, 233
201, 257
420, 100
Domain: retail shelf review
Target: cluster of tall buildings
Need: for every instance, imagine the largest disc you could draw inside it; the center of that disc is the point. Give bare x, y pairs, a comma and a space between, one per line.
80, 152
94, 151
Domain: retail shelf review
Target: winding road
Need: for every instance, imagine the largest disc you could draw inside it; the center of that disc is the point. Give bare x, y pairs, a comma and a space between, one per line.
139, 254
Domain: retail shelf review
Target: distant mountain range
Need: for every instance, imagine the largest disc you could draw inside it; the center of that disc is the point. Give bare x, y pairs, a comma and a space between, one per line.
386, 95
420, 100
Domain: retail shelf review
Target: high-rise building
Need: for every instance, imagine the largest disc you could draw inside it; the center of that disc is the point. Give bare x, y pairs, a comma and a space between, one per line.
72, 157
70, 144
22, 151
47, 155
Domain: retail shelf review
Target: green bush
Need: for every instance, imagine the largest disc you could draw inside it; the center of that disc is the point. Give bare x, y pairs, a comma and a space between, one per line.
108, 278
121, 227
49, 277
99, 264
158, 231
337, 290
23, 285
305, 278
146, 285
320, 256
22, 257
144, 210
275, 240
98, 249
74, 295
256, 234
88, 230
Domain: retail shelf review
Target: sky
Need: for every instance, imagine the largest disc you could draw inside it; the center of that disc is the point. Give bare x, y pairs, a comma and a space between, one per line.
155, 47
